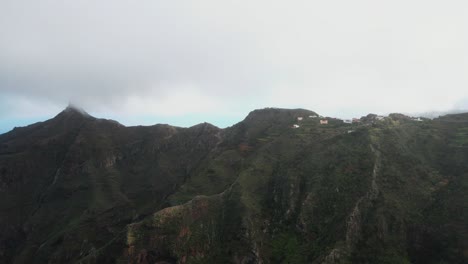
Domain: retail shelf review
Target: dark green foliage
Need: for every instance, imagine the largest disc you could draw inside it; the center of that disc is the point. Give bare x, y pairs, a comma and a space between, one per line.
286, 248
75, 189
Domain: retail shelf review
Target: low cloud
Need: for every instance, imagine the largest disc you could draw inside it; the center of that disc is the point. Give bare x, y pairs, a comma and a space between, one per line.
341, 58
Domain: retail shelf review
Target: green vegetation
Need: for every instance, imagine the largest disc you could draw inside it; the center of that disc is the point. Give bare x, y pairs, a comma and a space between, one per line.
461, 138
87, 190
286, 248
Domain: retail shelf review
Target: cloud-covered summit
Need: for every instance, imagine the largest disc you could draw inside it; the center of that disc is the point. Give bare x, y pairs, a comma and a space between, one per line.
171, 58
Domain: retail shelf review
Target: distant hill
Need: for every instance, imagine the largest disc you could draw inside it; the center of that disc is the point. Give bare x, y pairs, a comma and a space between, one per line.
435, 114
78, 189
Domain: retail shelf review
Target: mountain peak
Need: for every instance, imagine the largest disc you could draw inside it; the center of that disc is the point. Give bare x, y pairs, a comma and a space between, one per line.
72, 108
73, 112
272, 113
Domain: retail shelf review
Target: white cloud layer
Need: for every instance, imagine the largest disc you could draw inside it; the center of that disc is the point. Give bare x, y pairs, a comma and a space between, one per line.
340, 57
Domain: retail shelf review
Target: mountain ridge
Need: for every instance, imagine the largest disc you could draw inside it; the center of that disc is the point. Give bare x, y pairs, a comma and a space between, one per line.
79, 189
73, 109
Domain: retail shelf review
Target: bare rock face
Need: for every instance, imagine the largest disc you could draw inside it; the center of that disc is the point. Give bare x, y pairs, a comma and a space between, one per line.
78, 189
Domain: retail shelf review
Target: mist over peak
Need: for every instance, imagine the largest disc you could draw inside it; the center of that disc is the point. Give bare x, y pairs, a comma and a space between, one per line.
170, 60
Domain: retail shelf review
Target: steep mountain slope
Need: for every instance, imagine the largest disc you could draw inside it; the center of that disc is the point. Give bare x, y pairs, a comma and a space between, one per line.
70, 183
80, 189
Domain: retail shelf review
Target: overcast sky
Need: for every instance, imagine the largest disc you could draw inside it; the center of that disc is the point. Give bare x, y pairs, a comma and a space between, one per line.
185, 62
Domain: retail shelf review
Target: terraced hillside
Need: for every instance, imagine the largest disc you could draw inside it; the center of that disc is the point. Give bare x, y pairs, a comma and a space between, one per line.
76, 189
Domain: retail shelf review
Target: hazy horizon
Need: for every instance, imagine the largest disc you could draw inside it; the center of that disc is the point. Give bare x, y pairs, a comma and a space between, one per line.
188, 120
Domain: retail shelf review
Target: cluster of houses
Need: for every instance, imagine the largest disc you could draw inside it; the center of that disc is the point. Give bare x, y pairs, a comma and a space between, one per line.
324, 121
367, 120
